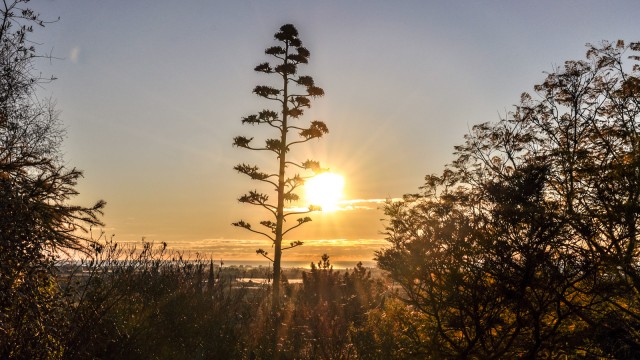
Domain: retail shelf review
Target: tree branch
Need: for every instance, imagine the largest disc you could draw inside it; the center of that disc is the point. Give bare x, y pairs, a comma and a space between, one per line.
247, 226
293, 244
264, 254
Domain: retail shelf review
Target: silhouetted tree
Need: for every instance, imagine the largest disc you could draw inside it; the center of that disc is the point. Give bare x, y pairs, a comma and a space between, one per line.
35, 187
291, 104
526, 245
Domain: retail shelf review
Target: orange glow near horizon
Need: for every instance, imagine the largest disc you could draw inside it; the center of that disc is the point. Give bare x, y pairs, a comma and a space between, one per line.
324, 190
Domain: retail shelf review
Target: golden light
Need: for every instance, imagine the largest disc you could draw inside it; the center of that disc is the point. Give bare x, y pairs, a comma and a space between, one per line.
324, 190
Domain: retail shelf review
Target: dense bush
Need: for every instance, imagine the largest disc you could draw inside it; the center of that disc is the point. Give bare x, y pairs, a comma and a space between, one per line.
148, 303
151, 303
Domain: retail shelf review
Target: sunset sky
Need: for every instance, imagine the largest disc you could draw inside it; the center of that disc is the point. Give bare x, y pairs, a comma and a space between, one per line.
152, 93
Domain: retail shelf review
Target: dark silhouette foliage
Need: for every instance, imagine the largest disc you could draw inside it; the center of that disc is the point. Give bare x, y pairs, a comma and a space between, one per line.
36, 219
526, 246
152, 303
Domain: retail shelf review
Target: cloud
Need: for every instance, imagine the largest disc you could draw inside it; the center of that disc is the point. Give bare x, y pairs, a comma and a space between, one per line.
353, 204
364, 204
74, 54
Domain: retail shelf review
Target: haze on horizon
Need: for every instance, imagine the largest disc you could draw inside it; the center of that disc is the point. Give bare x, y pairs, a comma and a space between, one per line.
152, 96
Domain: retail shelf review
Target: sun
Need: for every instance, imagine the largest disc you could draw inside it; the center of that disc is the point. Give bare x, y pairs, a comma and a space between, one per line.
324, 190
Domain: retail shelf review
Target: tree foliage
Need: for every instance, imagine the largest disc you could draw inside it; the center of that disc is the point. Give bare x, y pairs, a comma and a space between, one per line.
526, 245
292, 96
36, 219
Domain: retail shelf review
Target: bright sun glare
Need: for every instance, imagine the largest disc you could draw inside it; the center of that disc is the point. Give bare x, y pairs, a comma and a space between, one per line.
324, 190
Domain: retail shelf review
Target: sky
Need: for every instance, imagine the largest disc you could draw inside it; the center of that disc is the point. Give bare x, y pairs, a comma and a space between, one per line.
151, 94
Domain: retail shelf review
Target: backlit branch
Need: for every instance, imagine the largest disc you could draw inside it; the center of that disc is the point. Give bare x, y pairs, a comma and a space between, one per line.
267, 92
301, 221
254, 173
290, 196
264, 254
300, 101
294, 182
293, 244
256, 198
263, 117
276, 51
295, 164
314, 166
274, 145
311, 208
246, 225
264, 67
270, 224
312, 91
244, 142
315, 131
305, 80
